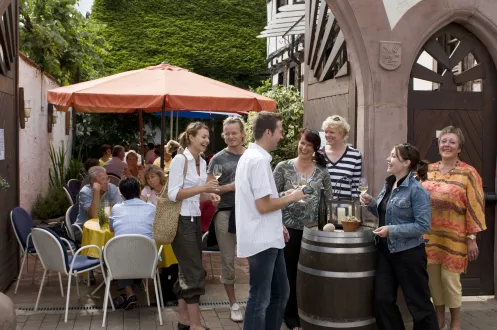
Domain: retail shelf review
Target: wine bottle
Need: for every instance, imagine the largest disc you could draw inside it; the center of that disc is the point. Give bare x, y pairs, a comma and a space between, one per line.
322, 211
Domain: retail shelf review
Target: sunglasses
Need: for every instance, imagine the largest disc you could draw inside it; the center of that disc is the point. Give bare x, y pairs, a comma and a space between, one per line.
407, 146
335, 118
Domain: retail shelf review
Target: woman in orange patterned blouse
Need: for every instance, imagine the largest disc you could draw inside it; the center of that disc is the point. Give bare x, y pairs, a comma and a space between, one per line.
457, 215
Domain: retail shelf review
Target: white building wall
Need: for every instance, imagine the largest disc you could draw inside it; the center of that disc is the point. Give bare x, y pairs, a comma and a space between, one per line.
34, 139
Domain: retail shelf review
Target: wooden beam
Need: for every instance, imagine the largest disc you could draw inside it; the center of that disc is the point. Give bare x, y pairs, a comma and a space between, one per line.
337, 47
22, 119
67, 115
286, 8
140, 123
312, 25
476, 72
319, 31
433, 48
462, 49
448, 100
324, 40
421, 72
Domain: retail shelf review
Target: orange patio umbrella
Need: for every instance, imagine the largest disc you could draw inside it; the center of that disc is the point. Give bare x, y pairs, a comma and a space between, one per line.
157, 88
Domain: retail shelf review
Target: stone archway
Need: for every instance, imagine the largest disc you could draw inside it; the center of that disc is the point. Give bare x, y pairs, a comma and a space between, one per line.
456, 85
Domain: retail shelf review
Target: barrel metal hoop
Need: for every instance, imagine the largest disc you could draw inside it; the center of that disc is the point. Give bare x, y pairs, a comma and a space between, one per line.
338, 240
325, 273
329, 324
333, 250
356, 234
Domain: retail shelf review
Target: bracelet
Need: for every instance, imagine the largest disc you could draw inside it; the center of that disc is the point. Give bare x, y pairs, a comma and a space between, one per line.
471, 237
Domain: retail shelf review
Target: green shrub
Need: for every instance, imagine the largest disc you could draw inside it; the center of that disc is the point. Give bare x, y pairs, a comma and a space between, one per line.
53, 205
291, 106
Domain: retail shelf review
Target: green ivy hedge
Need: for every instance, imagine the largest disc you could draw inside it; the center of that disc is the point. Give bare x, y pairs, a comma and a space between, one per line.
214, 38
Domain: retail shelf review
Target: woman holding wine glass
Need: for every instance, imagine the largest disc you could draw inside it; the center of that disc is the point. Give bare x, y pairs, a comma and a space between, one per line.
308, 169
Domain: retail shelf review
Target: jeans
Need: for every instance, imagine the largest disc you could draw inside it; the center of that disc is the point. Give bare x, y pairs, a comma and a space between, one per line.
292, 252
269, 291
407, 269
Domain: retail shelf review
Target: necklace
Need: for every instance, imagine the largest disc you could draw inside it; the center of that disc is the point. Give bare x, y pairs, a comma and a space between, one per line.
442, 167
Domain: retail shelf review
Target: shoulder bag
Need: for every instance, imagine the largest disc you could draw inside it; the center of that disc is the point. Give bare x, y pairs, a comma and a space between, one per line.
167, 214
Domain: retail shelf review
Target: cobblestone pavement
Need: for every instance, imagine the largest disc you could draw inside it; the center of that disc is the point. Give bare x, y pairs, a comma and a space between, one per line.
478, 313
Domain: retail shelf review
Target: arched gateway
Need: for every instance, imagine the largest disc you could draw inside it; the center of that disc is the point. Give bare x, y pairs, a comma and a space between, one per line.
454, 82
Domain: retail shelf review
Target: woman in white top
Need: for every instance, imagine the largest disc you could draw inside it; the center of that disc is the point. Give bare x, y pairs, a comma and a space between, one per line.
187, 245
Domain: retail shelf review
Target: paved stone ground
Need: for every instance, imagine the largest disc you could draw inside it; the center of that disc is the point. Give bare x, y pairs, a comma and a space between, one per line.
478, 313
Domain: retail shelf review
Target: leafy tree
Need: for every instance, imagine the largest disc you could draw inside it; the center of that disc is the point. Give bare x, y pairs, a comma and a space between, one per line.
291, 106
64, 43
215, 38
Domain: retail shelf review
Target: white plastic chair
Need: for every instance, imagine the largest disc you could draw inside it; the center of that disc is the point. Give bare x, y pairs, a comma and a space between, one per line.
131, 256
54, 258
68, 195
71, 216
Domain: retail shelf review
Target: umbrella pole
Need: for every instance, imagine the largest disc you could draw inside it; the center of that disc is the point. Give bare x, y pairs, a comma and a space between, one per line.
171, 125
140, 123
177, 132
162, 134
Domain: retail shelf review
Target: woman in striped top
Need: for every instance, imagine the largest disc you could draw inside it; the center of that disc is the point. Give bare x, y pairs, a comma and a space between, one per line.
344, 163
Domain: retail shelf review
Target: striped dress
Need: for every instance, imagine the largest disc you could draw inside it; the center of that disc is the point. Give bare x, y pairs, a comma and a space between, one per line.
458, 208
348, 166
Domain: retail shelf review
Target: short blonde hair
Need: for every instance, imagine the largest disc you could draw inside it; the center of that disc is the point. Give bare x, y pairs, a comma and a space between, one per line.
336, 122
234, 120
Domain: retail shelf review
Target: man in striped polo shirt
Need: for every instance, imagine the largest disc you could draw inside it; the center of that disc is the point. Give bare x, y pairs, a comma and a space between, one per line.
260, 232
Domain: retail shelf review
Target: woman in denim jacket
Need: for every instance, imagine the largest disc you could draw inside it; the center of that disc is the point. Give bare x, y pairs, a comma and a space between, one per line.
404, 212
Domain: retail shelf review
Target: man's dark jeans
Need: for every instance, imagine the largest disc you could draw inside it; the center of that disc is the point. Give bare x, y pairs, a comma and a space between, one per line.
269, 291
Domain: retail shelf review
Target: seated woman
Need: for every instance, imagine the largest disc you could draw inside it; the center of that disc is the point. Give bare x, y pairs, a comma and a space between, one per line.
134, 169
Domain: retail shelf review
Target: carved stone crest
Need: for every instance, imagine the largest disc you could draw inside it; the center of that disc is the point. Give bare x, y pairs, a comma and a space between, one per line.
390, 55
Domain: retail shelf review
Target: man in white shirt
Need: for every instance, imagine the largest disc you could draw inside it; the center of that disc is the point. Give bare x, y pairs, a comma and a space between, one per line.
260, 232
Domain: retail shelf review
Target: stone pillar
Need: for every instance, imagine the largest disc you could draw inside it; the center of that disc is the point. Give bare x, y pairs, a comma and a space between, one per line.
7, 313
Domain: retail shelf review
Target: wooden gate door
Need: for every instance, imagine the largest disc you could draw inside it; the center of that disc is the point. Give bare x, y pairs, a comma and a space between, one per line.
462, 86
9, 169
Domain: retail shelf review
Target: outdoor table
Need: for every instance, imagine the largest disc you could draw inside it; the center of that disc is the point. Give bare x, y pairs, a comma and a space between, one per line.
94, 234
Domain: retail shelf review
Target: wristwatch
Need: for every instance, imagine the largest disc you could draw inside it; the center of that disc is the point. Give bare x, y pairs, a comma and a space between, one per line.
471, 237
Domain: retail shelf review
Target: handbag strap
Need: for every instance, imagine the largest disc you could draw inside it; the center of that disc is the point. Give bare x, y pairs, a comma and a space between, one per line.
185, 169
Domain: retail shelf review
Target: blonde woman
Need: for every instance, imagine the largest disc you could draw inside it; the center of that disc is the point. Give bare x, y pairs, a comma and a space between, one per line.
344, 163
457, 216
187, 245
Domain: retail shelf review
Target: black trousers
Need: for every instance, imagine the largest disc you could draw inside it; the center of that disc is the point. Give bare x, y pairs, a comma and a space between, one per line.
292, 252
407, 269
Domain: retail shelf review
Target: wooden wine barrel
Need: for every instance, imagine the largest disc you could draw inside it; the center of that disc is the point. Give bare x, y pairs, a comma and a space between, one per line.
335, 280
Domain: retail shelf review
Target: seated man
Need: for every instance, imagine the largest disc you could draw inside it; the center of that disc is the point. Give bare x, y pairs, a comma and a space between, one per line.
91, 195
116, 165
133, 216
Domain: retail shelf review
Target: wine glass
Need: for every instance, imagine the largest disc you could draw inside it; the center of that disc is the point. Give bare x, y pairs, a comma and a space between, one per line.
217, 171
363, 185
301, 182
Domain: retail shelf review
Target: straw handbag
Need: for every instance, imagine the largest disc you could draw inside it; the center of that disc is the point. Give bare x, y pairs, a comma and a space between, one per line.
166, 214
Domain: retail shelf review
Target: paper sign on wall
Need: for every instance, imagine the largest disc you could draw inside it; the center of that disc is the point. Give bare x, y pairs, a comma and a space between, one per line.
2, 145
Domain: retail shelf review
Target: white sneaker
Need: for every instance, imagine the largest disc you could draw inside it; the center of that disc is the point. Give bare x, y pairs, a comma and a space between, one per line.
236, 313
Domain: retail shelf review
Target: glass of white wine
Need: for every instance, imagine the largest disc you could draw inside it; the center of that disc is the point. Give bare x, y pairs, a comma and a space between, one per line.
301, 183
363, 185
217, 171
